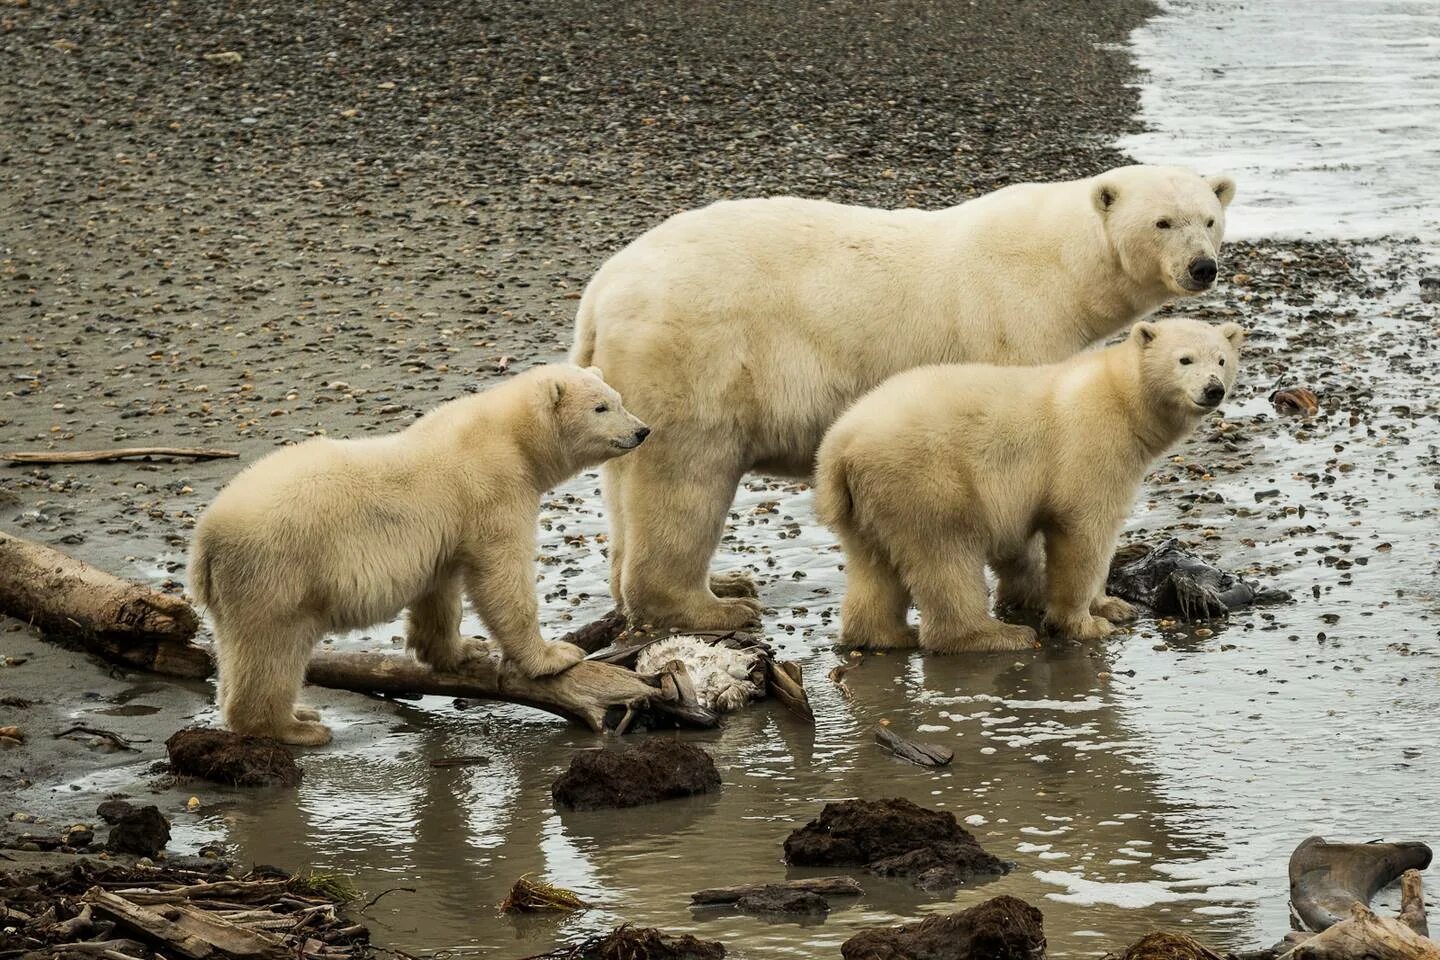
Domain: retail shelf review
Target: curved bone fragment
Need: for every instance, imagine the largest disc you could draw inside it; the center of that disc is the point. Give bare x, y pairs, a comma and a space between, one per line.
1327, 879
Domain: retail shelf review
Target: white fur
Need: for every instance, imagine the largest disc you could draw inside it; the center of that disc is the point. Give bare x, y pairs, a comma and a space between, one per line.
942, 470
335, 535
720, 675
740, 331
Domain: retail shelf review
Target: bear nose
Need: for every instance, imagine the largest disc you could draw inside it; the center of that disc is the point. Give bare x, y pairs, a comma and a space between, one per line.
1214, 393
641, 434
1203, 270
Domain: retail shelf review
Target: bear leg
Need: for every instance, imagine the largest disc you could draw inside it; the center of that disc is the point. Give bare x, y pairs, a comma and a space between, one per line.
1021, 577
611, 483
501, 585
262, 668
948, 582
432, 628
873, 613
1112, 608
674, 502
1076, 561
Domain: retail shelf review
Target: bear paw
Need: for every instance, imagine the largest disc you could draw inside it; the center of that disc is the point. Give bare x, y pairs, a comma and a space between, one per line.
549, 659
1083, 627
304, 714
303, 733
863, 638
989, 638
1112, 608
733, 584
727, 613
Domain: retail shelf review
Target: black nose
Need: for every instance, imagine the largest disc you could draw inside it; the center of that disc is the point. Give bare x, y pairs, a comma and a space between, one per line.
1203, 270
1214, 393
641, 434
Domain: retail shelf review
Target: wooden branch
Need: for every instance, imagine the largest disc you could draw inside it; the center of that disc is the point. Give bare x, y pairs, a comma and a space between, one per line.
1412, 903
924, 754
825, 886
1364, 936
584, 693
787, 684
109, 456
119, 620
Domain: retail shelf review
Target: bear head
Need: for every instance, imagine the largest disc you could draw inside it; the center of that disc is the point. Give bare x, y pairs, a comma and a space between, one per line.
589, 416
1165, 224
1185, 365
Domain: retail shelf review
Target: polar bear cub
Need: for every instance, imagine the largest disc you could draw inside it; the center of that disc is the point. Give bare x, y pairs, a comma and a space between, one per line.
942, 470
335, 535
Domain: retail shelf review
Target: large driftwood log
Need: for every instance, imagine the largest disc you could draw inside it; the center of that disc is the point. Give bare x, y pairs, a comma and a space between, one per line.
1412, 903
586, 693
119, 620
825, 886
1364, 936
1326, 879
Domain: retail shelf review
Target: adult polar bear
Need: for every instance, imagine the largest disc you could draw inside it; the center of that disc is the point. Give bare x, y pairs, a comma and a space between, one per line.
740, 331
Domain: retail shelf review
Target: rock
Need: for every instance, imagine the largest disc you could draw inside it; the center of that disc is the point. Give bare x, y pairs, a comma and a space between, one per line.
1430, 289
80, 835
229, 758
655, 770
142, 831
226, 58
629, 943
774, 899
1168, 946
1000, 929
893, 837
113, 811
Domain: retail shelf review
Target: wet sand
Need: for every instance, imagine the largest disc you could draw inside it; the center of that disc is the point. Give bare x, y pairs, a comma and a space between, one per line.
202, 254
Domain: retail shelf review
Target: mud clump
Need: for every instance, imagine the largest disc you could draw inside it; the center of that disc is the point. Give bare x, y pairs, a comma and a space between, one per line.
779, 900
141, 831
640, 943
630, 777
1000, 929
893, 838
229, 758
1166, 946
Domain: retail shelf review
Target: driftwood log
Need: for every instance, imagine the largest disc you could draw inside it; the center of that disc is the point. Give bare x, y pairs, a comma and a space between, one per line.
588, 693
916, 751
119, 453
1364, 936
117, 619
1327, 879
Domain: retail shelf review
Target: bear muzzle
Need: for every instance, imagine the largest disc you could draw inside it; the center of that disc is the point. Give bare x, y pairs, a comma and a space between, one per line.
634, 440
1213, 393
1201, 273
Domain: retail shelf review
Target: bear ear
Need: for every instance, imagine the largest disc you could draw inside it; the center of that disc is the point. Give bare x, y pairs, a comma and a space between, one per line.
1103, 196
1144, 333
1234, 333
595, 371
555, 390
1224, 188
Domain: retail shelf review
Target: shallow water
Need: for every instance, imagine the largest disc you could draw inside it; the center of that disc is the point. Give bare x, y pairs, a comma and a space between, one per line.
1324, 110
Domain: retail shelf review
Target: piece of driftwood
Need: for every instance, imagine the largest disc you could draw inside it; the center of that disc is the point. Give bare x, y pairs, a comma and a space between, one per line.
1364, 936
119, 620
924, 754
120, 453
824, 886
1326, 879
1412, 903
598, 634
585, 693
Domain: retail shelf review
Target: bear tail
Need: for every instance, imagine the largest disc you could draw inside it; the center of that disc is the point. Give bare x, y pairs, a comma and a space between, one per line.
833, 501
201, 583
582, 354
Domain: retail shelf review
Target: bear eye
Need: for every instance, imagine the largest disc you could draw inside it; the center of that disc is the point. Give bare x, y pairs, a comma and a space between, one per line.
1210, 222
1222, 361
1186, 361
1163, 224
603, 408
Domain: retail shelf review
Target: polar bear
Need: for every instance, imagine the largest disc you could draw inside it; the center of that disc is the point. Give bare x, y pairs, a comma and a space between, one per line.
335, 535
740, 331
942, 470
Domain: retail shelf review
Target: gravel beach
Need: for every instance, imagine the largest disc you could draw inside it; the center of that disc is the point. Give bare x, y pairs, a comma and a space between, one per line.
242, 224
